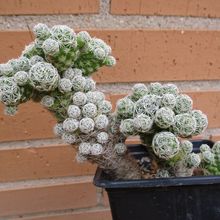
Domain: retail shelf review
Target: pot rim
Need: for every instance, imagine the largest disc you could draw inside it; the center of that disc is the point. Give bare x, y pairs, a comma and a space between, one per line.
101, 180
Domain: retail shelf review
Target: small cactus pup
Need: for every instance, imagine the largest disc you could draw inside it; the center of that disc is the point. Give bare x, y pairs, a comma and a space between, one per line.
210, 158
55, 70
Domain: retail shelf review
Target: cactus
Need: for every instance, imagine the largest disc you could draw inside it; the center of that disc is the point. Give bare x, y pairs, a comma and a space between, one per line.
55, 70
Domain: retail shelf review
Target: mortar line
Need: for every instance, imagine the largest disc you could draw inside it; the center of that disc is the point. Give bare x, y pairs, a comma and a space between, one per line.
106, 21
191, 86
47, 182
32, 143
56, 213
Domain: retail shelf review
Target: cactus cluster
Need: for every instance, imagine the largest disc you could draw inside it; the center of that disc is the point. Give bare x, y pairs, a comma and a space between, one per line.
55, 70
163, 118
158, 108
210, 158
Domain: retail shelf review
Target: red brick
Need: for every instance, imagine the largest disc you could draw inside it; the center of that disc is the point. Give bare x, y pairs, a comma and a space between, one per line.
147, 55
35, 7
215, 137
32, 122
97, 214
46, 196
22, 163
201, 8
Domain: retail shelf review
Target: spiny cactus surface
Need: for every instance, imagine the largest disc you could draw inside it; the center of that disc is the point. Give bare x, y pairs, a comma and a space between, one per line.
55, 70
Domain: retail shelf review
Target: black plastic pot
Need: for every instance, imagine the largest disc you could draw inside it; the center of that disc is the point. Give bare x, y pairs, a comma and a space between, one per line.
186, 198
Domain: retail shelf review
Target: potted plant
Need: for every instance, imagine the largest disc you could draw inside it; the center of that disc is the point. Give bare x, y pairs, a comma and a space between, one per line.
165, 177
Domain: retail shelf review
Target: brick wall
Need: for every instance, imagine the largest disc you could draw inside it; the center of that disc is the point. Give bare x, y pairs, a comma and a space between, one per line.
169, 41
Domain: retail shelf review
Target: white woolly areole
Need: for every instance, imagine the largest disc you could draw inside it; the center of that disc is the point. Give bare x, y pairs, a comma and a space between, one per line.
41, 31
183, 104
6, 69
165, 145
44, 76
20, 64
35, 59
204, 147
201, 121
65, 85
108, 49
96, 149
79, 98
100, 43
185, 125
9, 91
101, 122
170, 89
83, 36
139, 90
74, 111
90, 84
21, 78
168, 100
77, 72
102, 137
186, 146
142, 123
127, 127
216, 148
148, 105
105, 107
99, 53
96, 43
69, 138
125, 107
193, 160
70, 73
86, 125
50, 47
78, 83
95, 97
38, 43
208, 156
155, 89
10, 110
110, 61
47, 101
85, 148
89, 110
120, 148
164, 117
7, 83
58, 129
63, 34
70, 125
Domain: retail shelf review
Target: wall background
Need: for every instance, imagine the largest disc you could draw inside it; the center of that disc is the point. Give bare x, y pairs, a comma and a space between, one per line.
153, 40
